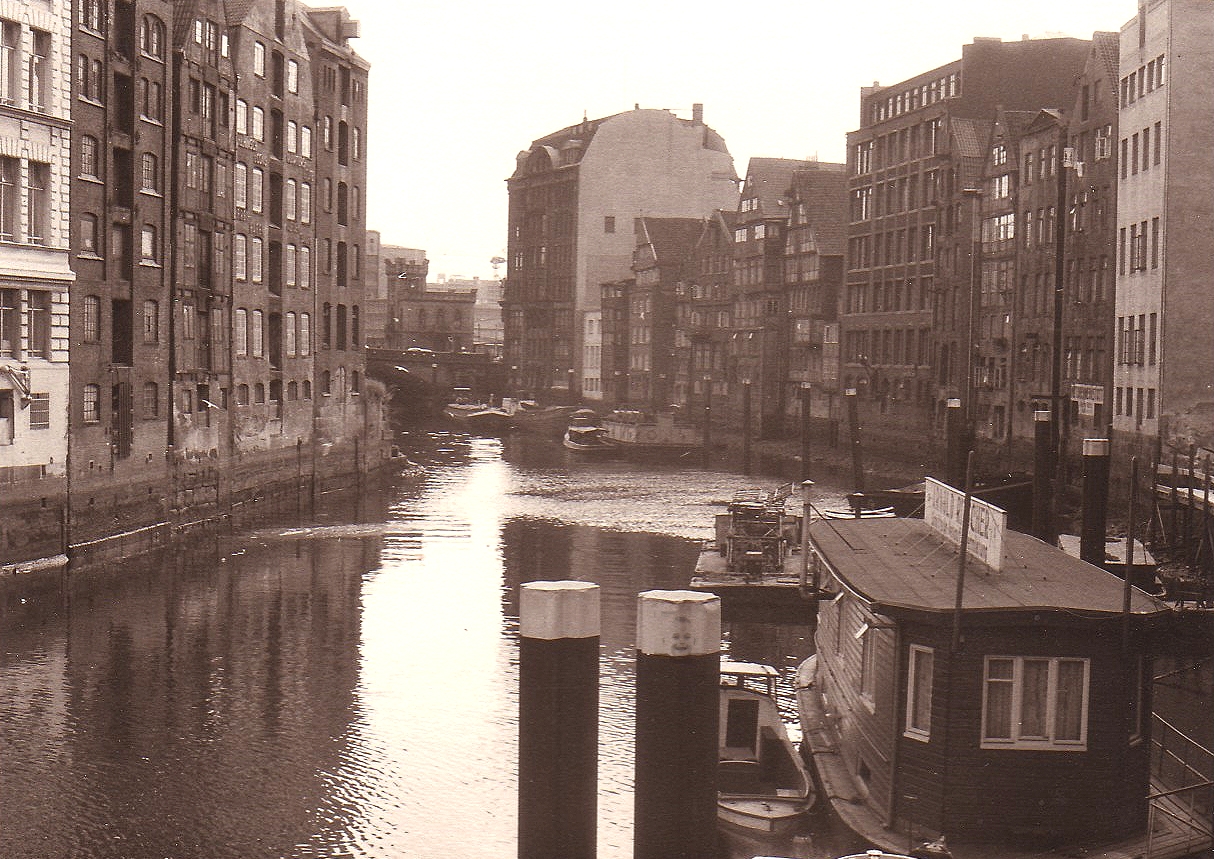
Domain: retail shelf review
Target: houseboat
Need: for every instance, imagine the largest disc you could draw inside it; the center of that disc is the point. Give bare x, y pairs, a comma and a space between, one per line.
998, 697
659, 433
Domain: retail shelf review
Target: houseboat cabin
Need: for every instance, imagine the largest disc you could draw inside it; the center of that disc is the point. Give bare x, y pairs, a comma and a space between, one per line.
1030, 728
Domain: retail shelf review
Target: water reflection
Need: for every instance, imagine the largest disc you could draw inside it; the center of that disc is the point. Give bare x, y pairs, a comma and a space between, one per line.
337, 690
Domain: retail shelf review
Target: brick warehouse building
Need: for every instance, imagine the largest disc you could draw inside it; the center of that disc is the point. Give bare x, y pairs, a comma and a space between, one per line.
202, 135
909, 162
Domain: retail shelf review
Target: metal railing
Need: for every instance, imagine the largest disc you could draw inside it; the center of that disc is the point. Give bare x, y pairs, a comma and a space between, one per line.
1180, 819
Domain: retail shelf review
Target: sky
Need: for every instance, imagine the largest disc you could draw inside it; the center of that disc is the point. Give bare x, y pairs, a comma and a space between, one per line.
459, 87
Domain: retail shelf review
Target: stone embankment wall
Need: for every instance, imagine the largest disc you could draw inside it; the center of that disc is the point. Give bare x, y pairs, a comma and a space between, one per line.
108, 519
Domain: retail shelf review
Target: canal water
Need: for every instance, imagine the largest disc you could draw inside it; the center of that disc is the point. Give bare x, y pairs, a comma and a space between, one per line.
345, 687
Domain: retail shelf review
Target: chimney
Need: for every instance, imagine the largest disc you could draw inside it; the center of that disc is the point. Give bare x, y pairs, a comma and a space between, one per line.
697, 113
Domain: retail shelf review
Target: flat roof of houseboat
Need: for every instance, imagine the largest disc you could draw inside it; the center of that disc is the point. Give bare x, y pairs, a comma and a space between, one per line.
902, 563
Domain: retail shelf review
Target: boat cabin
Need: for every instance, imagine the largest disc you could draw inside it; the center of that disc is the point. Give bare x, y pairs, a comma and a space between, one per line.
1022, 718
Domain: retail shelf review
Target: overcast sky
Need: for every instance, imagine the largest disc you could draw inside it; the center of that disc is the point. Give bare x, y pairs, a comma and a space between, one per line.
458, 87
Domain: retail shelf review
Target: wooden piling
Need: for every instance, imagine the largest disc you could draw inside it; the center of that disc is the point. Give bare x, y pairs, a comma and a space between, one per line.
806, 409
1095, 501
558, 720
746, 421
857, 454
677, 721
1043, 519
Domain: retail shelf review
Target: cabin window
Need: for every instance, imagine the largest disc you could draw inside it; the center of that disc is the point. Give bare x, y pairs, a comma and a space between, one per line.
919, 693
1035, 703
868, 663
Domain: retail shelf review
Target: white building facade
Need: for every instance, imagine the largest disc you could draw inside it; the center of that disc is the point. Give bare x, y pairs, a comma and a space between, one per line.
35, 275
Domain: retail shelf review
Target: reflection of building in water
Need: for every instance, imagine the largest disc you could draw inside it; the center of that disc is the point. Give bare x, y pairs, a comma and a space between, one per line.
188, 678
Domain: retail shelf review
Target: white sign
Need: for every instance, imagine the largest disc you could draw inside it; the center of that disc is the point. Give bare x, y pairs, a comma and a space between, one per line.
944, 512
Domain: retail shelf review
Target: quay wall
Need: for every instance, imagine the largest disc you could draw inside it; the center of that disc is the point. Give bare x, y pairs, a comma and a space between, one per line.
107, 516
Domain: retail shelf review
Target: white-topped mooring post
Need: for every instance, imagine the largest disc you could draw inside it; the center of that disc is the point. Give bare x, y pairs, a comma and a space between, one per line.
558, 720
1043, 477
678, 673
1095, 501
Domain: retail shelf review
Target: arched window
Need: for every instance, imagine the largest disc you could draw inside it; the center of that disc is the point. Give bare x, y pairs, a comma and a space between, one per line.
259, 393
307, 389
151, 37
242, 395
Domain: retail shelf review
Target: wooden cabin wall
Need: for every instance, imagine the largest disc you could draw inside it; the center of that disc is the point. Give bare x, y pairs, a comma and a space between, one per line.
864, 724
1029, 795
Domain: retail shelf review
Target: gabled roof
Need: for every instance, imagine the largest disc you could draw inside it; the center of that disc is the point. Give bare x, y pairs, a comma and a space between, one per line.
825, 192
671, 238
1107, 47
903, 565
768, 179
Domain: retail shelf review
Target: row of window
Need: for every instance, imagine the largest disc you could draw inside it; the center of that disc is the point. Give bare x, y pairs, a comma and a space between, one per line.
897, 147
1146, 79
888, 347
1135, 251
946, 86
1141, 150
1137, 338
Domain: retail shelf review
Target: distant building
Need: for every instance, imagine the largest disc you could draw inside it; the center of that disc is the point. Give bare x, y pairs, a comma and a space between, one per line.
435, 316
376, 311
574, 197
663, 245
922, 144
703, 313
487, 332
1162, 390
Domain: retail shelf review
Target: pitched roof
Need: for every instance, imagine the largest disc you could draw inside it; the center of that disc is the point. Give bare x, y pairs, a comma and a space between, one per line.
672, 238
902, 564
1107, 47
826, 193
768, 179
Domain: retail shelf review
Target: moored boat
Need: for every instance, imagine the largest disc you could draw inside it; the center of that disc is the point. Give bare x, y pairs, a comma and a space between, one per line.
640, 432
478, 416
763, 786
530, 416
586, 438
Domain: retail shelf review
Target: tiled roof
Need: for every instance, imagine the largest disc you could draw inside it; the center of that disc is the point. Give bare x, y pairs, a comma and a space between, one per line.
972, 136
1108, 50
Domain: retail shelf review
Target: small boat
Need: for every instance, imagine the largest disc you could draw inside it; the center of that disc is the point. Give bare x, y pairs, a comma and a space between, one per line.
763, 787
860, 513
530, 416
478, 416
587, 438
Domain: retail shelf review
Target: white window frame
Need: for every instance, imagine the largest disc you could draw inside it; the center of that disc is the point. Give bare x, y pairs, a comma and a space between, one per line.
916, 653
1047, 743
259, 59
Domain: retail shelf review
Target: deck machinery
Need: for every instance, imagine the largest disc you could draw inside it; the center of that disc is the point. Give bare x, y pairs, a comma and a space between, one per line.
755, 533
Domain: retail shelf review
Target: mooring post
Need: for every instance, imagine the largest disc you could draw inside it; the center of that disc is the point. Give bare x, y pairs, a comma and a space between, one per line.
746, 426
806, 415
857, 458
807, 491
678, 672
1095, 500
558, 706
954, 444
1043, 469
